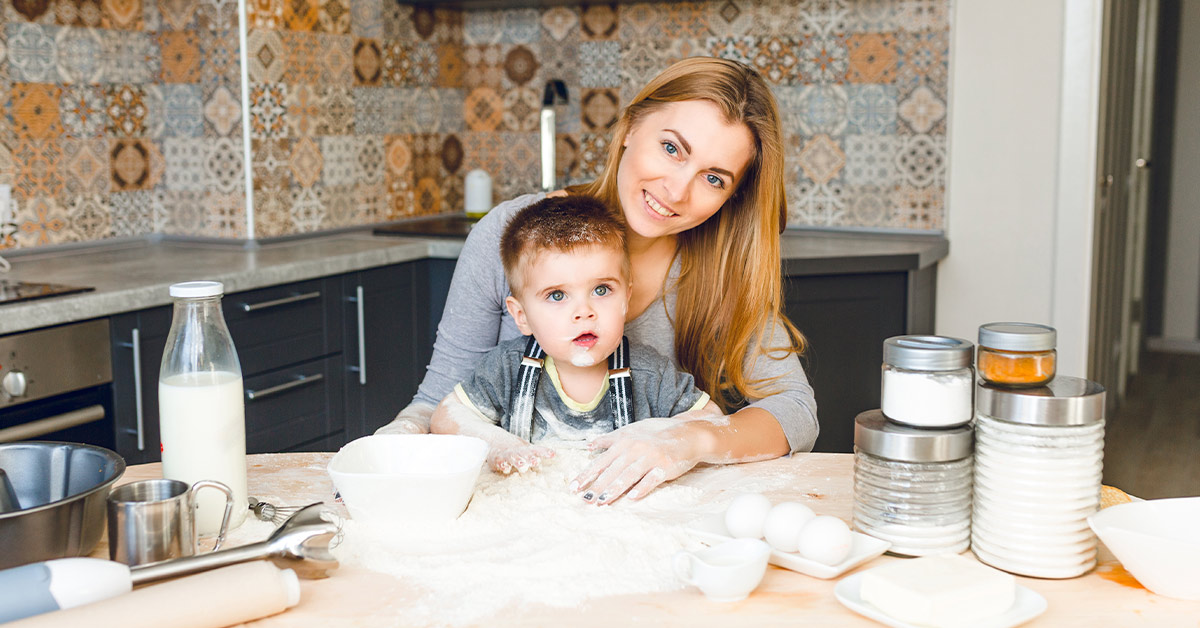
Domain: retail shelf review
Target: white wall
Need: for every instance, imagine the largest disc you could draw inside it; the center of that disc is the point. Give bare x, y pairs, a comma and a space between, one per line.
1181, 307
1022, 156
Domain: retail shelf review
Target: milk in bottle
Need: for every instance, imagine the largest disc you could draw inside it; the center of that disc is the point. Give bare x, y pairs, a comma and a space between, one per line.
201, 407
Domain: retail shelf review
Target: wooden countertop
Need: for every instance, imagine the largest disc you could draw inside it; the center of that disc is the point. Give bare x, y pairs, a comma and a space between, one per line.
1107, 596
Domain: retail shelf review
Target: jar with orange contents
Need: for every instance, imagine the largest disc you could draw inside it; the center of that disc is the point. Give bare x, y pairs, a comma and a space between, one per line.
1016, 355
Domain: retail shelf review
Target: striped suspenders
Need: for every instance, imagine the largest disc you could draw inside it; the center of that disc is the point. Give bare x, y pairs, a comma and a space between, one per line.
620, 388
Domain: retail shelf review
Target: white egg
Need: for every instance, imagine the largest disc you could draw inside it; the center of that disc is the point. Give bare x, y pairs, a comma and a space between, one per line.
784, 523
746, 514
825, 539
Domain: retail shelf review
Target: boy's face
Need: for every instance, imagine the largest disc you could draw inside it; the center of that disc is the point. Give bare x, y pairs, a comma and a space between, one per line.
573, 303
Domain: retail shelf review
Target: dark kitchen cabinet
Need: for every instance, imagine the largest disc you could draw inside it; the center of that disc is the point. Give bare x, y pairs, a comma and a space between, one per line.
391, 316
138, 342
288, 339
845, 318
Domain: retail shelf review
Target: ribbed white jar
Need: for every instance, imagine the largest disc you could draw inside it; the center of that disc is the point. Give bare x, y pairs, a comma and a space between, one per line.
1038, 464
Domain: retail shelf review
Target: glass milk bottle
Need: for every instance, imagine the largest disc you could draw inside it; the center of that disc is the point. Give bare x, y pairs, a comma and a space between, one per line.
201, 409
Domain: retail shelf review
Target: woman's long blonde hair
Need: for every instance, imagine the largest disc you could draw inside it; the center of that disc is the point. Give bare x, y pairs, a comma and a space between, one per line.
730, 292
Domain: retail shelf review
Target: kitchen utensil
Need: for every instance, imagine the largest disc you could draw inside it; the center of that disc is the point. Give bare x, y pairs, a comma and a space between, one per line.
727, 572
270, 512
301, 543
223, 597
421, 478
154, 520
8, 497
61, 488
1156, 542
56, 584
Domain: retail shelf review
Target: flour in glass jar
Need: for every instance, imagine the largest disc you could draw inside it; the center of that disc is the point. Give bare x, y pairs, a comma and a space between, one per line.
526, 539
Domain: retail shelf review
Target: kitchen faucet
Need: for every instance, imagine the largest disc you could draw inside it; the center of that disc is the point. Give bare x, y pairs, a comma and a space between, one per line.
555, 93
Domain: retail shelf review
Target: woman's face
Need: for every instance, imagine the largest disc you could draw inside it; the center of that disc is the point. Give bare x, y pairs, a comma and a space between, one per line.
681, 163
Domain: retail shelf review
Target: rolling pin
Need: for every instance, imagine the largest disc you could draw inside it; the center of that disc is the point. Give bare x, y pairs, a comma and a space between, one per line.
221, 597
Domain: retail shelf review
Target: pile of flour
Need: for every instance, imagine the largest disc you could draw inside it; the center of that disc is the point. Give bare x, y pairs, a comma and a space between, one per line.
527, 539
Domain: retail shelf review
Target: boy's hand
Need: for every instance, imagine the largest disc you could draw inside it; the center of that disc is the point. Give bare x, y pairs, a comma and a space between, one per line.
519, 458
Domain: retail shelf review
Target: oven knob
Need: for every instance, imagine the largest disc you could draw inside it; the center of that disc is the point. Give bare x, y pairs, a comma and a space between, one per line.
14, 383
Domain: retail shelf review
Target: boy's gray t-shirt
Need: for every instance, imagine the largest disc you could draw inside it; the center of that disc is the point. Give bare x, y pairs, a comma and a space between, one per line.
659, 390
475, 320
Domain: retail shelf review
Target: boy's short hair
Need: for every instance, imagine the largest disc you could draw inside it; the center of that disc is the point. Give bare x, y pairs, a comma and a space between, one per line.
561, 224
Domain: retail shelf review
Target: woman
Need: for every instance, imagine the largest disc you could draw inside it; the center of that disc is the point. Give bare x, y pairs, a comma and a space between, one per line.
696, 166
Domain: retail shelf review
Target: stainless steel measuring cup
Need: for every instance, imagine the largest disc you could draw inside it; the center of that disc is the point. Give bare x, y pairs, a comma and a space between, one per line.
155, 520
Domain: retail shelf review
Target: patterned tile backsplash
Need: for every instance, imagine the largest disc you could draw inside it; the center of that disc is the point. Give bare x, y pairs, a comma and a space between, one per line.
124, 117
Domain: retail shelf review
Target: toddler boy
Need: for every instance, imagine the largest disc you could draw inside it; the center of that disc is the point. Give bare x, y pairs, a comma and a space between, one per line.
574, 375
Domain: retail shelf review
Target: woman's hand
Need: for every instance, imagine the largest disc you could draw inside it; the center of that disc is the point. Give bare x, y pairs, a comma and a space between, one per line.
412, 420
643, 455
639, 457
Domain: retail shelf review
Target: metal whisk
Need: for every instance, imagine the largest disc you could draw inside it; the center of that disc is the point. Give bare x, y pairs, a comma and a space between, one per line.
271, 512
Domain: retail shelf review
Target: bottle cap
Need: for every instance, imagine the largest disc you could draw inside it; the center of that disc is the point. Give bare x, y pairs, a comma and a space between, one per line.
197, 289
1017, 336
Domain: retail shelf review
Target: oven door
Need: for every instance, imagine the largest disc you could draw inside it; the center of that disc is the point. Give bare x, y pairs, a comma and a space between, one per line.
82, 416
56, 384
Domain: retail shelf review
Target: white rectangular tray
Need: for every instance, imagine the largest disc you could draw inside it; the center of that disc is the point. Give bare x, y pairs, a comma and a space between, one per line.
863, 548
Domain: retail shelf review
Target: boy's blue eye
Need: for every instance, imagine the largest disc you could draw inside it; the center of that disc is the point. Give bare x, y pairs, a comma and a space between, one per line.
601, 290
556, 296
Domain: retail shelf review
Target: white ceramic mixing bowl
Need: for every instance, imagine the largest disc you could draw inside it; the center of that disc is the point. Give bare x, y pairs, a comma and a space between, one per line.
424, 478
1156, 540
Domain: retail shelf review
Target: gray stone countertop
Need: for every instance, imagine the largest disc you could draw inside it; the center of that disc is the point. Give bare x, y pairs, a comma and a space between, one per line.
135, 275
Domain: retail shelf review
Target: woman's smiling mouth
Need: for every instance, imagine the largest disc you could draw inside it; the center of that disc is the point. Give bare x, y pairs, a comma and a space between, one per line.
654, 205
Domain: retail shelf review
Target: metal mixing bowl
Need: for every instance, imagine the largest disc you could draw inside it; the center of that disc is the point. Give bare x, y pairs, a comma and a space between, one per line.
60, 491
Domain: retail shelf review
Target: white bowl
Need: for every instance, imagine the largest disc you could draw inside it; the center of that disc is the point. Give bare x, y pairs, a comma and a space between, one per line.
424, 478
1157, 542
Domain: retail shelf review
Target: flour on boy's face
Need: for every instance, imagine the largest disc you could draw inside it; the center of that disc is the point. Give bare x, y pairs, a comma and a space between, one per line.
574, 304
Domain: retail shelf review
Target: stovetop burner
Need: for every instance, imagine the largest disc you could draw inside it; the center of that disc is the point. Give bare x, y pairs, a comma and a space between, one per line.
13, 291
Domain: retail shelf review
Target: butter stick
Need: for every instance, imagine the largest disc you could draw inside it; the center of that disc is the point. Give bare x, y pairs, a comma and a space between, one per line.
940, 591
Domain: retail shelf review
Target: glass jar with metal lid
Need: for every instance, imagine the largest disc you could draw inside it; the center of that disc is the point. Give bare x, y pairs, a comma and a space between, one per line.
1038, 465
1017, 354
927, 380
912, 486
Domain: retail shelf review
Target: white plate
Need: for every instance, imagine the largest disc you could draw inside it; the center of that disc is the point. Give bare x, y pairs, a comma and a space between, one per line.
1029, 604
862, 549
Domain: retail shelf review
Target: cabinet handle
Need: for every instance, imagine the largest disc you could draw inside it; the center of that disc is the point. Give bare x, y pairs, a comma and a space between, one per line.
301, 380
362, 339
251, 307
55, 423
136, 338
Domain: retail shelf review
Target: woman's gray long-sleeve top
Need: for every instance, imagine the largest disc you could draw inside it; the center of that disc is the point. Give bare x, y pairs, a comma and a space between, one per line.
475, 320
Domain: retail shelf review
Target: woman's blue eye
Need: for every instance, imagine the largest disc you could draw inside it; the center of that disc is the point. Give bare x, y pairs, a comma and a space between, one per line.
601, 291
670, 148
556, 296
715, 180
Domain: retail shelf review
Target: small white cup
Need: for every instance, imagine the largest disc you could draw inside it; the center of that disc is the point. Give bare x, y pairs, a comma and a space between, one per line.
727, 572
